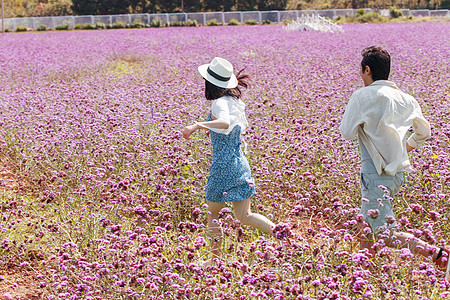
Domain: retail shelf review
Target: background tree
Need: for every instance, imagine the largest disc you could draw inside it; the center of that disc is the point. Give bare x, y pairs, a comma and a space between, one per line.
246, 5
100, 7
48, 8
168, 6
272, 4
217, 5
192, 5
85, 7
58, 8
444, 4
143, 6
32, 8
111, 7
19, 8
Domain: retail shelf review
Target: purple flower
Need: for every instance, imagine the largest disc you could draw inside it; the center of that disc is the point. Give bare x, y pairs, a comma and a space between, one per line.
120, 283
373, 213
92, 121
390, 219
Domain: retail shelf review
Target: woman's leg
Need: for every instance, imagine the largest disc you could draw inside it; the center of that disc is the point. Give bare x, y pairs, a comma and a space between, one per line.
214, 230
243, 213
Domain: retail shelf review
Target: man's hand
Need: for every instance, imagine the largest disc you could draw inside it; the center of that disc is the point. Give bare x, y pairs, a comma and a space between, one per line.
409, 148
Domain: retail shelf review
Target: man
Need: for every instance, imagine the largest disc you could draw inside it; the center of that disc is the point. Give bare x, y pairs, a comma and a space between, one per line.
379, 115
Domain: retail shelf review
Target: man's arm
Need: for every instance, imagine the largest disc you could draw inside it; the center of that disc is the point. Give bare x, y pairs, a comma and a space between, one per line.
351, 119
422, 131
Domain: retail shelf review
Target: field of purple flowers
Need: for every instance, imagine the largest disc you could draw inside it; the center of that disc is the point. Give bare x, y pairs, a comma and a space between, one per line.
113, 205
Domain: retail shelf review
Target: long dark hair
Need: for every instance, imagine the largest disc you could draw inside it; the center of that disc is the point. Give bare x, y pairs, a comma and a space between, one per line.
213, 92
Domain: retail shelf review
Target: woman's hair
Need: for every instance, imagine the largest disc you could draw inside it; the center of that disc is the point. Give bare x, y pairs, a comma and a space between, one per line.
379, 61
213, 92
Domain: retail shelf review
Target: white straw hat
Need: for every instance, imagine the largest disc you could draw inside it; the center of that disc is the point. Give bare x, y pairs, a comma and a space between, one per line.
220, 73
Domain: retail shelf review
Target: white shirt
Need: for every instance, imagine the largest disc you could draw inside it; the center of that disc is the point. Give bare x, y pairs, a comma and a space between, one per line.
231, 111
380, 115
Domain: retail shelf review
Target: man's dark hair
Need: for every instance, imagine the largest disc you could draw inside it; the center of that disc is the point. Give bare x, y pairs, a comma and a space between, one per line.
213, 92
379, 61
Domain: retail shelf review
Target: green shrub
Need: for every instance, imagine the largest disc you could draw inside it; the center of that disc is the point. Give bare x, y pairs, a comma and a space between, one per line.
340, 20
6, 29
286, 21
137, 24
109, 26
100, 25
267, 22
372, 17
41, 27
192, 23
156, 23
88, 26
360, 12
21, 29
395, 12
251, 22
233, 22
212, 22
176, 24
62, 27
118, 25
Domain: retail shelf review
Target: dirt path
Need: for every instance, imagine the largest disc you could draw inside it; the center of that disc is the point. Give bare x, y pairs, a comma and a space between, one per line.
18, 285
15, 284
8, 181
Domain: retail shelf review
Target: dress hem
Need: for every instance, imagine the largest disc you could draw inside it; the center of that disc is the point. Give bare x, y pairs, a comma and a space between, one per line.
232, 200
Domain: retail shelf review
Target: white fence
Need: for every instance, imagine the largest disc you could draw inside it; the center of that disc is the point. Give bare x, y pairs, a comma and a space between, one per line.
202, 18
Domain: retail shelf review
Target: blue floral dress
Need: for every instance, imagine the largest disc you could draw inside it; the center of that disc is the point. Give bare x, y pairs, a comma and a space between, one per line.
230, 177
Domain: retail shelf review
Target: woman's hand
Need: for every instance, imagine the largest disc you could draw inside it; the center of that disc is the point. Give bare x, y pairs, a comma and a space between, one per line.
188, 130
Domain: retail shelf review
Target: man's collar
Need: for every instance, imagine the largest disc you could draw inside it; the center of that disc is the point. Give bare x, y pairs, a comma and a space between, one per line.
385, 83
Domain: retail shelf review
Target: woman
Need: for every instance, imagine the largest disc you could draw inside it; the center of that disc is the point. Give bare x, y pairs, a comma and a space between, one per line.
230, 177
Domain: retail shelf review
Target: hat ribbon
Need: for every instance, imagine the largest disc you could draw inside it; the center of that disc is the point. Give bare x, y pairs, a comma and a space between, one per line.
217, 76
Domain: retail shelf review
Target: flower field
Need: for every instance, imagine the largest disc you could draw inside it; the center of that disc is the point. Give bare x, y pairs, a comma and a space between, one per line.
111, 201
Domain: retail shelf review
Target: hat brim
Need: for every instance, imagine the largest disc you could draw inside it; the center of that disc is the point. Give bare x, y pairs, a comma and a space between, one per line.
230, 84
